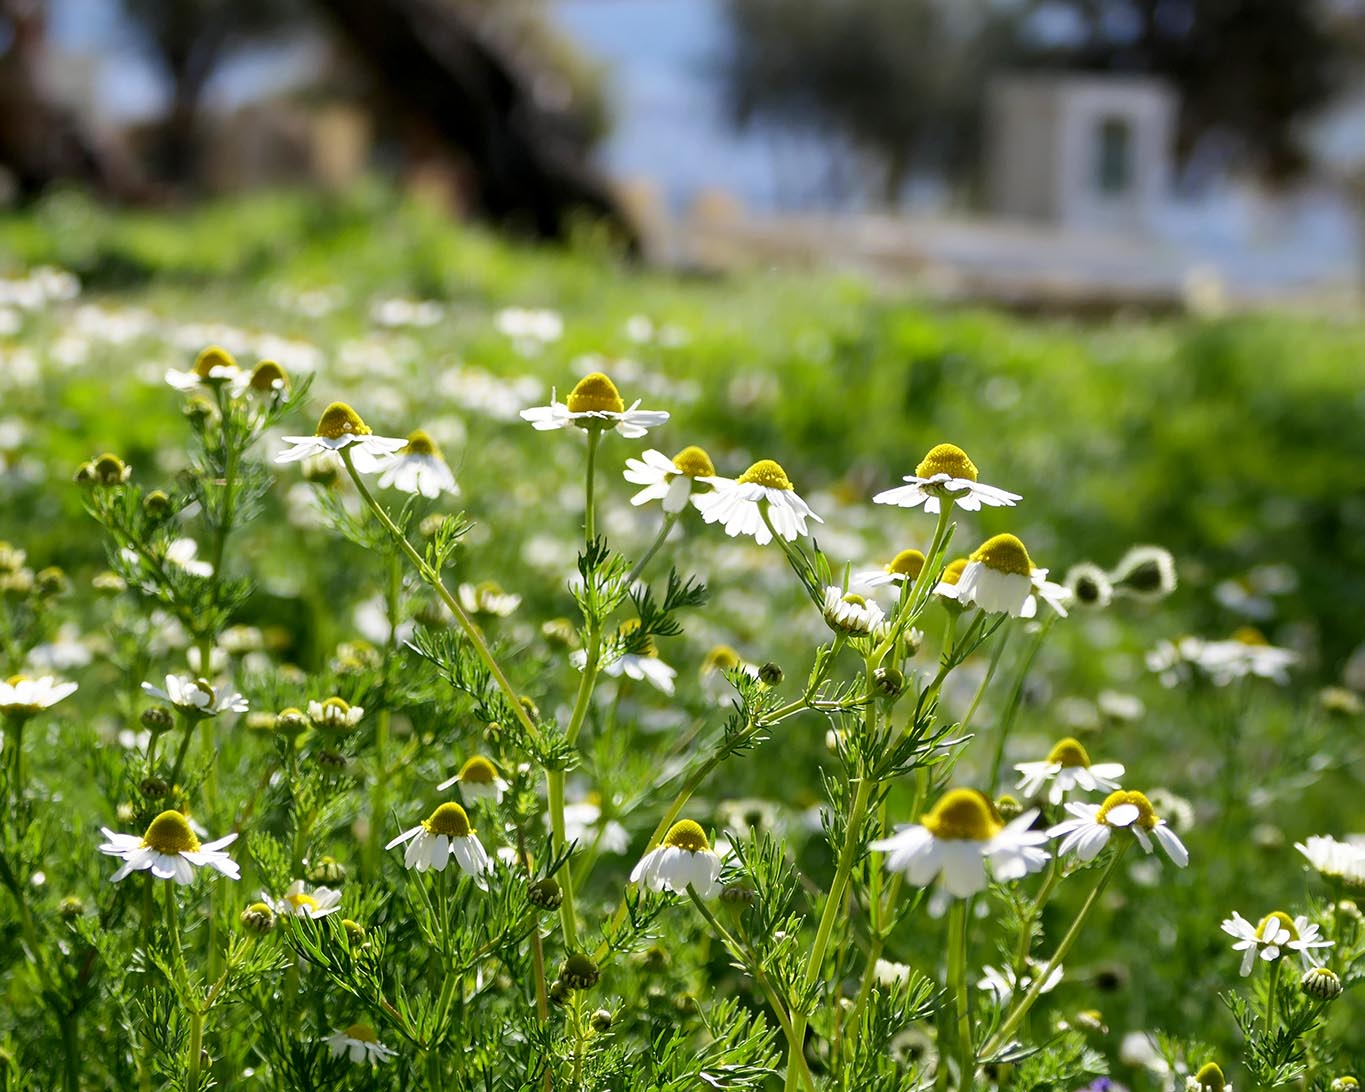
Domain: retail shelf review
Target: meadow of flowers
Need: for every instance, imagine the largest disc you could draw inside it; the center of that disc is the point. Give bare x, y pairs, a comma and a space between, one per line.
433, 664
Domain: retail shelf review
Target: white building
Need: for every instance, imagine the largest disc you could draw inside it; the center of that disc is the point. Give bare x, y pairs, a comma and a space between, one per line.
1091, 152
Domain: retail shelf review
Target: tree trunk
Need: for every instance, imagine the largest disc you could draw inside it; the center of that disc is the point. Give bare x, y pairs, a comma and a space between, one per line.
526, 171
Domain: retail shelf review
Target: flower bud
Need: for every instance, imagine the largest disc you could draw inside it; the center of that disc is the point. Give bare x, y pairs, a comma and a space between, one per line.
154, 788
579, 972
292, 721
559, 993
1208, 1079
198, 410
157, 718
156, 505
70, 908
561, 632
1322, 983
1008, 807
326, 870
737, 894
601, 1020
109, 469
258, 918
1348, 909
52, 581
108, 583
355, 932
1344, 1084
889, 681
545, 894
770, 674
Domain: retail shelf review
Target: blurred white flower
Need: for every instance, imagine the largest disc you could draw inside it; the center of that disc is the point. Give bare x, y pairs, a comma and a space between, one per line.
1089, 829
359, 1043
1067, 767
670, 481
1274, 933
197, 696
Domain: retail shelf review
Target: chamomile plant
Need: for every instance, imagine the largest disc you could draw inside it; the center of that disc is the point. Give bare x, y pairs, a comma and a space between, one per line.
381, 792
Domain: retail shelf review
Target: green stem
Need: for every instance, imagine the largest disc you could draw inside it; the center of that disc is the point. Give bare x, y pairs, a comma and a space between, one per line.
779, 1010
433, 579
589, 514
188, 728
986, 681
1022, 1006
1016, 695
835, 901
392, 592
71, 1054
1272, 988
554, 781
957, 982
670, 519
196, 1050
15, 745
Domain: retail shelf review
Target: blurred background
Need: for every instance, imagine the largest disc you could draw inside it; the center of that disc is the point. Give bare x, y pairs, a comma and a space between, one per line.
1056, 153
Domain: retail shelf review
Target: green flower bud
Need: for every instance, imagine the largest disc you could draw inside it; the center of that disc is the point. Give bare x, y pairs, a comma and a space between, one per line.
1322, 983
770, 674
579, 972
258, 918
545, 894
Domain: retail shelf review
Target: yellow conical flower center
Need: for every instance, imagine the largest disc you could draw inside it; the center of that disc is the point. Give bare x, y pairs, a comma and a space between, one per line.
1210, 1076
854, 599
15, 680
1277, 916
449, 819
908, 563
301, 900
170, 833
340, 420
721, 658
952, 572
206, 688
215, 356
1249, 635
688, 835
479, 770
362, 1033
693, 462
419, 443
335, 706
1004, 554
632, 625
946, 459
1146, 814
1069, 752
962, 815
595, 393
266, 374
766, 473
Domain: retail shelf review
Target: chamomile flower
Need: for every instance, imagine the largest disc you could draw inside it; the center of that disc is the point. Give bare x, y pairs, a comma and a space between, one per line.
444, 834
1089, 585
183, 553
1342, 862
684, 859
904, 568
487, 597
946, 473
359, 1043
595, 403
1002, 983
197, 697
1145, 572
419, 467
1246, 652
851, 614
946, 588
583, 824
268, 378
22, 696
170, 850
478, 780
1089, 829
1271, 936
341, 427
335, 714
739, 505
1000, 578
1066, 767
642, 664
1208, 1079
213, 367
954, 840
299, 902
670, 481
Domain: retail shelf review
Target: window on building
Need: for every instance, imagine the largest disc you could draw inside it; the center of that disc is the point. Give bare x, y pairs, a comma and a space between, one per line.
1114, 156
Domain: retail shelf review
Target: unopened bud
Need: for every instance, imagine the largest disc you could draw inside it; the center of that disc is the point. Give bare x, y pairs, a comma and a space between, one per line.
157, 718
327, 870
258, 918
545, 894
1008, 807
1322, 983
156, 505
579, 972
889, 681
770, 674
737, 894
601, 1020
70, 908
